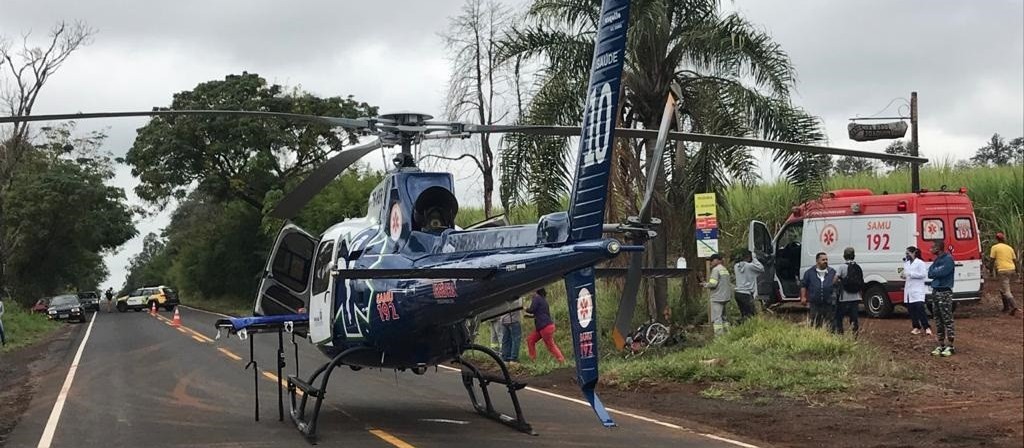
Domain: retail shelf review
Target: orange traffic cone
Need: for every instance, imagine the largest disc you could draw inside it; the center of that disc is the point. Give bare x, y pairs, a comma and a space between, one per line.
152, 309
176, 321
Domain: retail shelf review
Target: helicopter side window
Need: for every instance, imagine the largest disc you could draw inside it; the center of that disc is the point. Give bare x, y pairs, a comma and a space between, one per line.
322, 270
435, 210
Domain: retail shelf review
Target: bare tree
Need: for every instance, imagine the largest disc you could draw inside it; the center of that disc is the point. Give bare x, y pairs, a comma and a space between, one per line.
23, 73
475, 87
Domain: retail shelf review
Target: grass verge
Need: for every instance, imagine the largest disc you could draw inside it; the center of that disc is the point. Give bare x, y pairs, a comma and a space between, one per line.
22, 328
765, 354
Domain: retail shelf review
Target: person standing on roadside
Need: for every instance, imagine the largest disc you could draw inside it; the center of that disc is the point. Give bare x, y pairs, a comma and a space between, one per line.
817, 289
110, 297
721, 292
3, 337
544, 327
851, 280
1004, 264
511, 333
942, 273
747, 271
914, 290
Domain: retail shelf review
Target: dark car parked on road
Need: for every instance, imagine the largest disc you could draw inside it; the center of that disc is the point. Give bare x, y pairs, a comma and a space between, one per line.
66, 307
90, 300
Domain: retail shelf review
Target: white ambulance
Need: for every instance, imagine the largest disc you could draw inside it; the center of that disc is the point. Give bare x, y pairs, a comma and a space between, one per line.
879, 228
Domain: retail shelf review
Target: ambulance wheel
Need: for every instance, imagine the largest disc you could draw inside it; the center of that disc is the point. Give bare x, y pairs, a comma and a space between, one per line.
876, 302
122, 307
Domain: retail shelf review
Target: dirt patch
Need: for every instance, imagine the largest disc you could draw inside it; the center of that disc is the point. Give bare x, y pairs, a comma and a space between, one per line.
18, 372
975, 398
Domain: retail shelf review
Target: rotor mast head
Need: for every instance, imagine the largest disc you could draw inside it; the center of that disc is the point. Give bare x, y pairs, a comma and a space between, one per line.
408, 132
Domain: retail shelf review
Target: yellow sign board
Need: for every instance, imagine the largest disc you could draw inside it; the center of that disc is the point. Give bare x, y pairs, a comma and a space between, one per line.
705, 206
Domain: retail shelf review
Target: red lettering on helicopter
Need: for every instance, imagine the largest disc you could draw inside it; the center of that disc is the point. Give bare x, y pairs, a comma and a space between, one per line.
445, 290
586, 344
386, 306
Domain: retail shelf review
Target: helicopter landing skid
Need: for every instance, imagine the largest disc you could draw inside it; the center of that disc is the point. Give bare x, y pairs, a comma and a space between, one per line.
471, 374
306, 388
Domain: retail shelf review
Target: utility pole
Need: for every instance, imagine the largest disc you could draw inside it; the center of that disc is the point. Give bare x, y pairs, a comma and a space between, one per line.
915, 169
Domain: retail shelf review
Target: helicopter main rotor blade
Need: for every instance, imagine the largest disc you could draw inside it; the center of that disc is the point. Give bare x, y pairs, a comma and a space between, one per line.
320, 178
347, 123
572, 131
654, 165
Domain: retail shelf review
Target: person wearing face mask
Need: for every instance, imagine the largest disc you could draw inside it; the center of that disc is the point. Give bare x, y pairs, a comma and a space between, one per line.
817, 289
915, 272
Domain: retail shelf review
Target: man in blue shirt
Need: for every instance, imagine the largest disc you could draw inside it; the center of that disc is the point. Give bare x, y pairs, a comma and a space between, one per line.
942, 272
817, 288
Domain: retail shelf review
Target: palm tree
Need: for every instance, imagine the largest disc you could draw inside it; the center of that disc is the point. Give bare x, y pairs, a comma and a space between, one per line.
728, 78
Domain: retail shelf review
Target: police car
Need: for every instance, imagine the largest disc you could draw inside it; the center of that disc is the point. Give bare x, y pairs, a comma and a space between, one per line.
144, 298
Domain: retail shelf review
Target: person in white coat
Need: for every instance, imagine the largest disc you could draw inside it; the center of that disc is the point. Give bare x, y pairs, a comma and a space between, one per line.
915, 272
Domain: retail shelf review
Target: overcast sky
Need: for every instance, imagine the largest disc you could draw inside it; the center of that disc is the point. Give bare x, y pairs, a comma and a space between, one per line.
965, 60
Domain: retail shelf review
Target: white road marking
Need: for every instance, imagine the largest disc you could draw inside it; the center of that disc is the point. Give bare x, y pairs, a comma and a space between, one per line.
444, 420
629, 414
58, 407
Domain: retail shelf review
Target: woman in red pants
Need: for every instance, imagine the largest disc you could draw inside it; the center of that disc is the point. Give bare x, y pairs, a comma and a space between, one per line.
544, 327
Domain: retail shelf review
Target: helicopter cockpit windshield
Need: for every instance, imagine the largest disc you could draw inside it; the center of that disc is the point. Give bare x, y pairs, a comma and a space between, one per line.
435, 210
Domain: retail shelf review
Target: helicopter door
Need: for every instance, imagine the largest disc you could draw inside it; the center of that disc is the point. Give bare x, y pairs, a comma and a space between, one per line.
321, 309
760, 245
284, 288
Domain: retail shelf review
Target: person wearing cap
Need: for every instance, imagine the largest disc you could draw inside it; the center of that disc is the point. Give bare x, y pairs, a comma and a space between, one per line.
1003, 259
720, 284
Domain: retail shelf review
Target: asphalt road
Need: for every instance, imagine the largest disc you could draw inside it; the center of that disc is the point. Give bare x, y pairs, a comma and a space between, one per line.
140, 382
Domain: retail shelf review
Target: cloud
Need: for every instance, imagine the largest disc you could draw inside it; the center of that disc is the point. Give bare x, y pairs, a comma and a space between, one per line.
966, 60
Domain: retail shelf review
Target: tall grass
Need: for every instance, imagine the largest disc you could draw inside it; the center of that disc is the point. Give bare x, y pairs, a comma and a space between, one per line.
22, 328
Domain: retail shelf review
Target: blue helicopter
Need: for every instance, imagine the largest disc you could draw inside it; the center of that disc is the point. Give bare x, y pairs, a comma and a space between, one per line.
403, 287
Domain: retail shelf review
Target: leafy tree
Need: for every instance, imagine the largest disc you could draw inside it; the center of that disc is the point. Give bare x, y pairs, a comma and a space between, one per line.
997, 152
898, 147
62, 217
478, 77
232, 157
849, 166
24, 71
728, 77
149, 267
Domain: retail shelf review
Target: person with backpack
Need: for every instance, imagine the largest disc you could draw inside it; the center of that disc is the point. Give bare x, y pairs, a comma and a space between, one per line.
851, 280
914, 290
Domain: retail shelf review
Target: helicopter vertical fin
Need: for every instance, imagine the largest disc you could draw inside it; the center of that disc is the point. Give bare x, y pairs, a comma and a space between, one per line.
590, 187
581, 291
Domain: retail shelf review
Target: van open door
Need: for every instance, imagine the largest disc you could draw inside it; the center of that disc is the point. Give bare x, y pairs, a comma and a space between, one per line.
759, 242
284, 288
